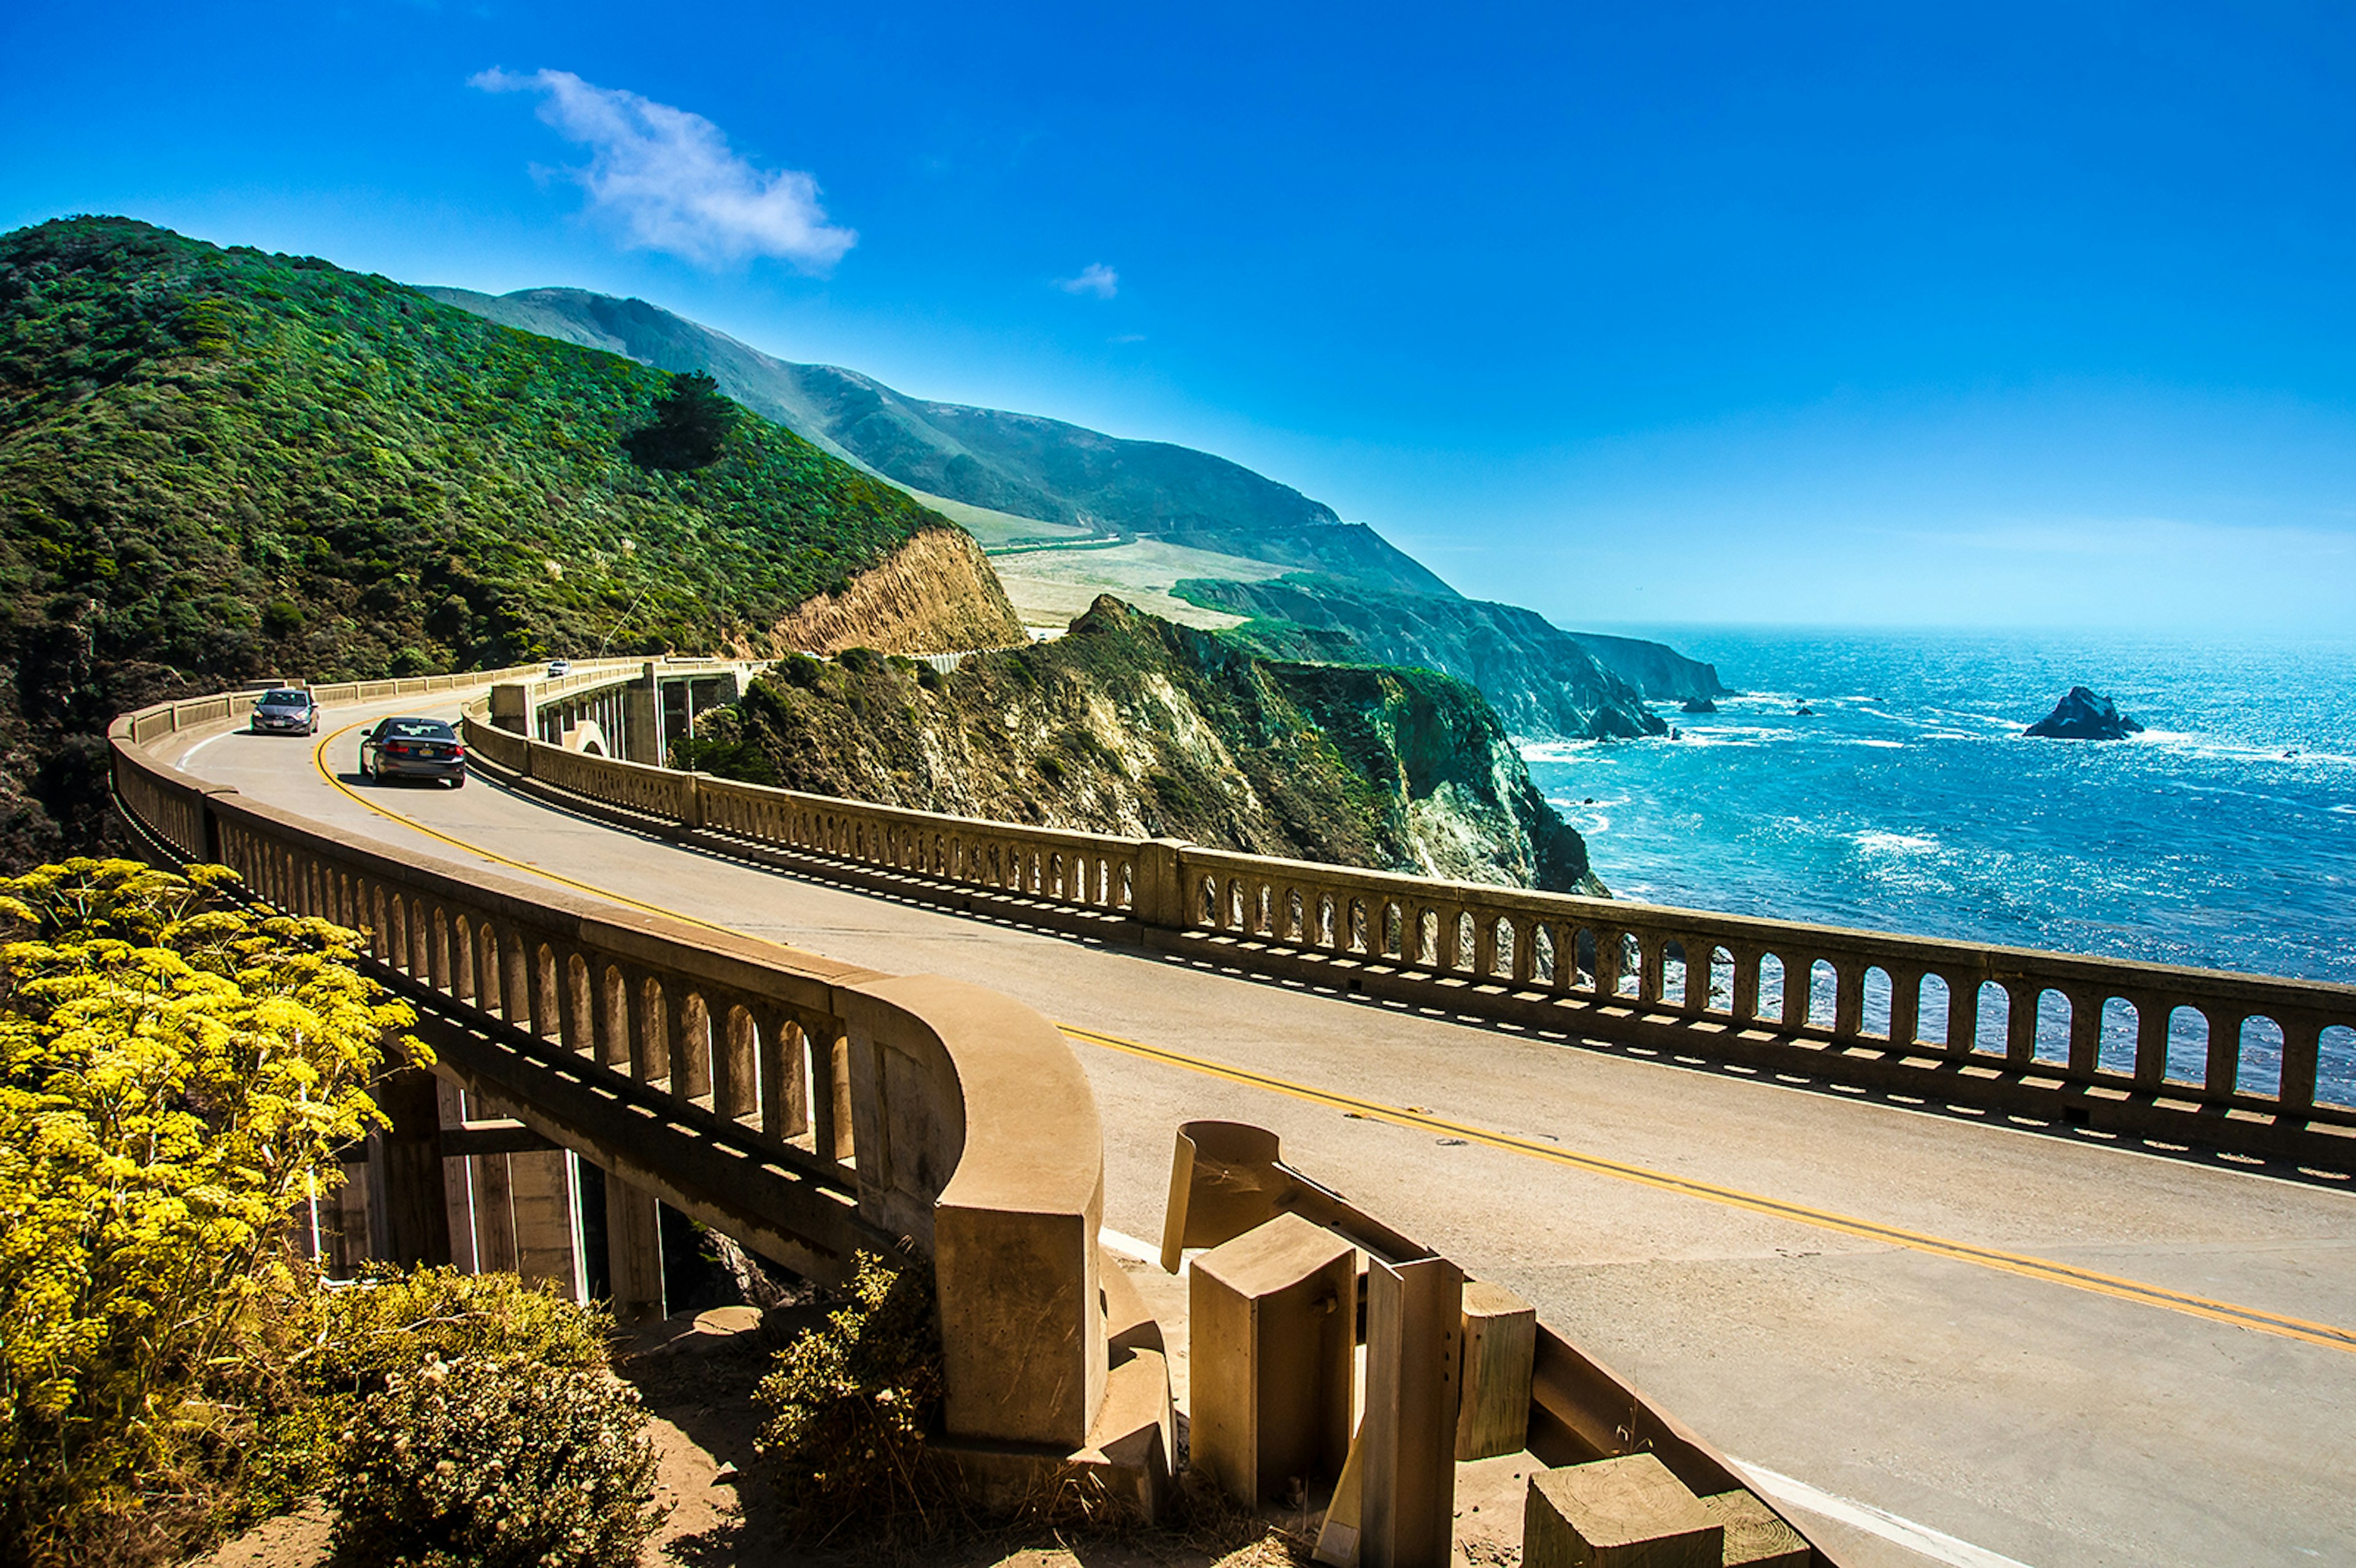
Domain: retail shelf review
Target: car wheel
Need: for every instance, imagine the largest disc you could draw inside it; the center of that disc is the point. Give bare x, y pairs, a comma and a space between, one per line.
458, 783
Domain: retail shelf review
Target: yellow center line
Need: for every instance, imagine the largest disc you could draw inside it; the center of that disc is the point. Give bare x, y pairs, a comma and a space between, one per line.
319, 761
1736, 1198
2020, 1263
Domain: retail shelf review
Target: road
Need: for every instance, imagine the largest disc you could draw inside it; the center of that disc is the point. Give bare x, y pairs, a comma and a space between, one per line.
1722, 1240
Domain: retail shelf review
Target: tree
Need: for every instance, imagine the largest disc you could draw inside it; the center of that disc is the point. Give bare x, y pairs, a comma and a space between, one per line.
690, 428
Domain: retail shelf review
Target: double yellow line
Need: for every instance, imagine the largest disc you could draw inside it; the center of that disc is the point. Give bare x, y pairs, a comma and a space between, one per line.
2021, 1264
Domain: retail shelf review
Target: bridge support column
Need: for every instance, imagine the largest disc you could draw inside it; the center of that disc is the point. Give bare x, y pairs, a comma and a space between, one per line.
642, 725
633, 1252
411, 1225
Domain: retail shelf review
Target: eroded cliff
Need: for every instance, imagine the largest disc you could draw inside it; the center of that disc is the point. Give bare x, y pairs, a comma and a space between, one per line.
935, 593
1131, 724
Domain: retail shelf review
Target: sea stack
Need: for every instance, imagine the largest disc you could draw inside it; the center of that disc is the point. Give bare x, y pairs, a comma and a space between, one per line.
2084, 715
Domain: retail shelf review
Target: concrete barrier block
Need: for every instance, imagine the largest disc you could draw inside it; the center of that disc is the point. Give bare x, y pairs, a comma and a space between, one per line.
1628, 1512
1755, 1536
1271, 1324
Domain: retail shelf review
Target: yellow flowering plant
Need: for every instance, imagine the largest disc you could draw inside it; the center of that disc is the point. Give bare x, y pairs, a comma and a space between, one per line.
177, 1074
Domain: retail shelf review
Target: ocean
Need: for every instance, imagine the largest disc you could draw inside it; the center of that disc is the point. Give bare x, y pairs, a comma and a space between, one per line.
2224, 836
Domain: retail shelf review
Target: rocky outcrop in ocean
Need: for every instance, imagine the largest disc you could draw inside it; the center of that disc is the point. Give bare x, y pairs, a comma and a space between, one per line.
2085, 716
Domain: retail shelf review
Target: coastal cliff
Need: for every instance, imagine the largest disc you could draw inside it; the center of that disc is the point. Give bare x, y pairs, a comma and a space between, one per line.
1131, 724
1541, 679
935, 593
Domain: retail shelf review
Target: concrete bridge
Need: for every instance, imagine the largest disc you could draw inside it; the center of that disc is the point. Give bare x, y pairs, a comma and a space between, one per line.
1961, 1254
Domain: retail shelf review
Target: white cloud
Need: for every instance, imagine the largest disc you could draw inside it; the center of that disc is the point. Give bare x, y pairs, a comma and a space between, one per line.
1096, 278
670, 181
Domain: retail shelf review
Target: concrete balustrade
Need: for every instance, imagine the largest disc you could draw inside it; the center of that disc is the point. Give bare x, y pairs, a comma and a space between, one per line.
2119, 1048
812, 1110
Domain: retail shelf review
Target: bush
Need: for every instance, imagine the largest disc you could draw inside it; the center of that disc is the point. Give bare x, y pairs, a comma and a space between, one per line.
337, 1346
850, 1405
499, 1462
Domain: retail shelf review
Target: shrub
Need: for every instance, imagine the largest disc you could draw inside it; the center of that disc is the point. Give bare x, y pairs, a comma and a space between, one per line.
335, 1346
499, 1462
176, 1075
849, 1404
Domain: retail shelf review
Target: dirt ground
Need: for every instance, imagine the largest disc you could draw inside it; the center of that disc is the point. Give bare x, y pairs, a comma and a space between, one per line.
696, 1376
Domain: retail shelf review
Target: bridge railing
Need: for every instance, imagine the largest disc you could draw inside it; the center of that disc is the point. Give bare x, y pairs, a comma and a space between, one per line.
811, 1109
2231, 1061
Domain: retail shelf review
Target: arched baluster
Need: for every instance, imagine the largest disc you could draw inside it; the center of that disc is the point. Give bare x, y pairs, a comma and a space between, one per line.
649, 1031
2222, 1078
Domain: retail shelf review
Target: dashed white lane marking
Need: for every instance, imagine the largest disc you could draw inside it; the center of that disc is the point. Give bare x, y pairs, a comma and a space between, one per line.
1920, 1539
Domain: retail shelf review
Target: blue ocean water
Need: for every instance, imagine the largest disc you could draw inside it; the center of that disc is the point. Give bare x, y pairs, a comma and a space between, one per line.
2223, 836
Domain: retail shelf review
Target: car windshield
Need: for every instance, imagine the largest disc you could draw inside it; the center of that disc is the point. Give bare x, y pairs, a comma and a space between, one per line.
285, 698
416, 730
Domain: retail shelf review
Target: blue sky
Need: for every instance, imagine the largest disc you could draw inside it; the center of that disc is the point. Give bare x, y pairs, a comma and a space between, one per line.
1863, 314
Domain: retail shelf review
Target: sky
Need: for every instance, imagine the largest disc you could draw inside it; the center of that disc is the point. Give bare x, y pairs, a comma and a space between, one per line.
1973, 316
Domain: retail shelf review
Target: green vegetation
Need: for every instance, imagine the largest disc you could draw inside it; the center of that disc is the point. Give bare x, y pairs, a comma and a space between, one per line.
690, 428
849, 1404
219, 465
177, 1074
495, 1462
1014, 466
175, 1077
1131, 724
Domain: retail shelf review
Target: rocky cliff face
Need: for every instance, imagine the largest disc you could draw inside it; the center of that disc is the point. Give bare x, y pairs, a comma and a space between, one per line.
1541, 679
1661, 673
1129, 724
935, 593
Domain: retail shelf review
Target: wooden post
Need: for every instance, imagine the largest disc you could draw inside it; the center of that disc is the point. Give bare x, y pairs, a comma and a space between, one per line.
1272, 1319
1501, 1341
1414, 1332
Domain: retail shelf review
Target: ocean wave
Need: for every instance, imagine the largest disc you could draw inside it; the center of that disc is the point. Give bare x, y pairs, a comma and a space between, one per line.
1887, 843
1868, 740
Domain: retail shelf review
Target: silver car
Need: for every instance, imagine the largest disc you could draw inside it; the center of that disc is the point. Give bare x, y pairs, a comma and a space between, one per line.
414, 749
286, 710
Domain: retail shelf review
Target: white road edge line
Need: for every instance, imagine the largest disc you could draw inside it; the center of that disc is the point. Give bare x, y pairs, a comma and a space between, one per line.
182, 762
1934, 1544
1920, 1539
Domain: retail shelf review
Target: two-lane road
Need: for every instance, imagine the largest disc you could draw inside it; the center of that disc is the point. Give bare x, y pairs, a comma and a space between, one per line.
2063, 1353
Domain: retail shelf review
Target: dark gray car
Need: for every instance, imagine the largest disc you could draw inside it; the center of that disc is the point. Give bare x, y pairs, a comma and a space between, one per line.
414, 749
286, 710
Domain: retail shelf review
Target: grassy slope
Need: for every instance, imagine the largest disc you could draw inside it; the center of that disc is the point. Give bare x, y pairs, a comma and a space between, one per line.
222, 465
1008, 463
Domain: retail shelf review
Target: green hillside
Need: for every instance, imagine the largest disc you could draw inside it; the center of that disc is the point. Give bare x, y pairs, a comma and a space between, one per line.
220, 464
1010, 463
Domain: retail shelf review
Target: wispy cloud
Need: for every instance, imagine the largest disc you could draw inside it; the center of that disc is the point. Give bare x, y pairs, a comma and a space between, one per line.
669, 178
1096, 278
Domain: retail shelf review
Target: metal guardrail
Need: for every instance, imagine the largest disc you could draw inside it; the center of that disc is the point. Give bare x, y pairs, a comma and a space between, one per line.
2225, 1061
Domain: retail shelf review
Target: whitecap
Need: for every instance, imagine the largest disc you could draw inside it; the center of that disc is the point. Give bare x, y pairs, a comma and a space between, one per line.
1885, 843
1877, 745
2344, 810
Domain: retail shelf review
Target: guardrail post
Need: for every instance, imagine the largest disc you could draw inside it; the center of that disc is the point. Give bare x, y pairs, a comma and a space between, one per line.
1158, 895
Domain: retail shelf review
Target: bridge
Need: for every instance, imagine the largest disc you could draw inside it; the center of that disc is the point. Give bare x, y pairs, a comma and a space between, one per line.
1959, 1254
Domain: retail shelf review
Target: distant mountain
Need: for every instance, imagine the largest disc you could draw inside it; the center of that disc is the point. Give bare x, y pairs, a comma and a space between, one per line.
1107, 511
1019, 463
